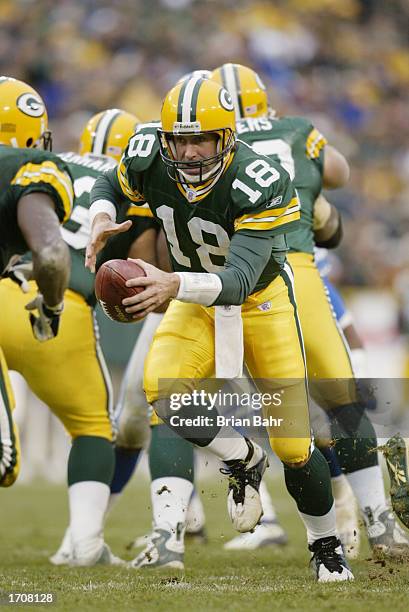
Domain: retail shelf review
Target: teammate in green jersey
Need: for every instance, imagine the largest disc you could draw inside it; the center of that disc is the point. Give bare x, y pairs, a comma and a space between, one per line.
225, 211
36, 195
80, 393
313, 165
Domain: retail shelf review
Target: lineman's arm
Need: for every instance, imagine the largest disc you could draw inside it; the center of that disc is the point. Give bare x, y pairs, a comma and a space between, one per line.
327, 224
336, 169
40, 227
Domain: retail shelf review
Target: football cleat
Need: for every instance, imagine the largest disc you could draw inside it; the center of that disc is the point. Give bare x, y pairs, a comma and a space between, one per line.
165, 549
328, 561
386, 537
140, 541
396, 455
103, 557
268, 533
64, 553
243, 501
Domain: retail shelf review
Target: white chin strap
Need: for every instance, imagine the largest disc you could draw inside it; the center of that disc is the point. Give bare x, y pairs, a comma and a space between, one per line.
196, 178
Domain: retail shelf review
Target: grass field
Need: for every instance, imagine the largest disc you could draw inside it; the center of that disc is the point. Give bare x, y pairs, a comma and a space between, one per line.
32, 522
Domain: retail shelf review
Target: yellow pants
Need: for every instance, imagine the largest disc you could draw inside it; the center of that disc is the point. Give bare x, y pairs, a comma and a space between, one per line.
9, 442
68, 373
329, 368
183, 348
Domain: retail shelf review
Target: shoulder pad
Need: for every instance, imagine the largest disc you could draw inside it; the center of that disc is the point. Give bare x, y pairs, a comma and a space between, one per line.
143, 147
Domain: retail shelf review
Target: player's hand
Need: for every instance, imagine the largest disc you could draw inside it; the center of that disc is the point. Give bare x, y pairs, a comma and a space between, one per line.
102, 229
159, 287
46, 320
21, 273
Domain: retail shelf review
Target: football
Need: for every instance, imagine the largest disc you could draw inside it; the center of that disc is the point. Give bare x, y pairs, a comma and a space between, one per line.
110, 287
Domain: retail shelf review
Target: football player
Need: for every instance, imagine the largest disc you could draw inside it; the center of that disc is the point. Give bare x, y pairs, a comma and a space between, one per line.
225, 211
80, 392
313, 164
36, 195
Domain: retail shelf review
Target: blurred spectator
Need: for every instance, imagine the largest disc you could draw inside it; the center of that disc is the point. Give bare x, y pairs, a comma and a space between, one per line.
344, 64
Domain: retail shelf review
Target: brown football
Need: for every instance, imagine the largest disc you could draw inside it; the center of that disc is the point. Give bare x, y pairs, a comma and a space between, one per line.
110, 287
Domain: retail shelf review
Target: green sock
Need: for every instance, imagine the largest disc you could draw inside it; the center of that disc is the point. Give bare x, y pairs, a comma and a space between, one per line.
310, 485
91, 458
170, 455
355, 438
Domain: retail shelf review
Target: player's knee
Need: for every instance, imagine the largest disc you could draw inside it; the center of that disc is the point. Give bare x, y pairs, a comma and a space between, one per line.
294, 452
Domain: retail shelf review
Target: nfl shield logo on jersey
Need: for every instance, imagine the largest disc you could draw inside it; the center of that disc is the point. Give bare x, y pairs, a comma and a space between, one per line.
191, 194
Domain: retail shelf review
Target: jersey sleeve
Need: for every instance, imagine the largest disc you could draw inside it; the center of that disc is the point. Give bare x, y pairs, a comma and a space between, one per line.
125, 183
49, 175
314, 144
265, 200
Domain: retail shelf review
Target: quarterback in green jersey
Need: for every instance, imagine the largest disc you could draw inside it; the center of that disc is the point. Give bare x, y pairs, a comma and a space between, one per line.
313, 164
225, 211
36, 195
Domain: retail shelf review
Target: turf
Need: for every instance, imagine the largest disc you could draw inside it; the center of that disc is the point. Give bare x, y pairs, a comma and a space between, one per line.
32, 522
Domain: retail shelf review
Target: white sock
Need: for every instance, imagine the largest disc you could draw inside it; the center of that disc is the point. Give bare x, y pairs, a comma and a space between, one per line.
267, 503
195, 516
229, 445
88, 501
170, 498
319, 526
112, 501
341, 489
367, 485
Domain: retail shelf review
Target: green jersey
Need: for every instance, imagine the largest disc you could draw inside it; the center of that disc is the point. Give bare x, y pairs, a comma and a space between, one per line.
25, 171
234, 226
299, 148
85, 170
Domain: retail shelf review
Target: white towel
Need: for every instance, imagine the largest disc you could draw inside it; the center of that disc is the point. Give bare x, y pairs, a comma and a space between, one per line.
229, 342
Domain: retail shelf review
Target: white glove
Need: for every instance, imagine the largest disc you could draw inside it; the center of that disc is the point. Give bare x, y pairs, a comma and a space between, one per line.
21, 273
47, 320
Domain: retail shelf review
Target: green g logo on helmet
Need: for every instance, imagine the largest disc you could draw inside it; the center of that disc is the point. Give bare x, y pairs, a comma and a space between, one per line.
30, 105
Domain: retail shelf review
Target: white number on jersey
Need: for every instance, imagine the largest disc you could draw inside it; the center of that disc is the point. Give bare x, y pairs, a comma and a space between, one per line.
262, 173
79, 239
281, 149
196, 227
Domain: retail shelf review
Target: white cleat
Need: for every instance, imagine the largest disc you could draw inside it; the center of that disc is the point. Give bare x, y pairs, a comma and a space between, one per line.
102, 556
243, 502
64, 553
165, 550
266, 534
328, 561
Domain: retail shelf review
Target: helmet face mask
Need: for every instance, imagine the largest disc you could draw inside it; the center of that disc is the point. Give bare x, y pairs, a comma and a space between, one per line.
194, 107
107, 133
23, 116
180, 171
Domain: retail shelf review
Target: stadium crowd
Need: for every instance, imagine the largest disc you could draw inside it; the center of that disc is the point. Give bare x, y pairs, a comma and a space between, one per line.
345, 65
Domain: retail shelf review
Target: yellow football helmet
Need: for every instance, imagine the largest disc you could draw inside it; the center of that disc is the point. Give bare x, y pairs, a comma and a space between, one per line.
246, 89
196, 106
23, 116
204, 74
108, 132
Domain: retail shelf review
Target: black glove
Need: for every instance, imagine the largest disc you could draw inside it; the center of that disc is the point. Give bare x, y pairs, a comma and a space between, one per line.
47, 320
